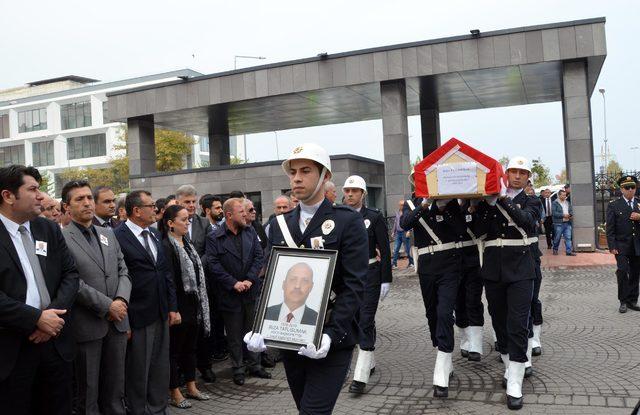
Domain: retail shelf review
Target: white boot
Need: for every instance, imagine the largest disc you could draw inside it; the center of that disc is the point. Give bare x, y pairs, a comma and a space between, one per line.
372, 366
514, 382
363, 366
528, 367
474, 334
505, 360
443, 369
464, 341
537, 344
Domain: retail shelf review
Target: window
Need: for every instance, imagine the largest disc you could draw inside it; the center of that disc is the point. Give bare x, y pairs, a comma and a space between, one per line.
12, 155
105, 113
76, 115
86, 146
4, 126
32, 120
204, 144
43, 154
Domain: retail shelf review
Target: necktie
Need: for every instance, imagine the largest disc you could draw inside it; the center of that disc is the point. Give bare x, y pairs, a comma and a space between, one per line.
30, 249
289, 317
548, 207
107, 223
145, 238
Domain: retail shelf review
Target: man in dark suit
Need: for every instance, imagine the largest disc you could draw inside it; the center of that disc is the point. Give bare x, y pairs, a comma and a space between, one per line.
199, 227
623, 239
235, 257
547, 216
296, 287
100, 321
152, 307
35, 344
105, 202
316, 376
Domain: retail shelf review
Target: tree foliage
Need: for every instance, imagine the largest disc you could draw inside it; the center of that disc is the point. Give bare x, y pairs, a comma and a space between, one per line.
614, 168
561, 178
540, 173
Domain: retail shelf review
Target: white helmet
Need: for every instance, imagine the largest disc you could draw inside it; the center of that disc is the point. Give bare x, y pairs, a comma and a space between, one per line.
309, 151
355, 182
519, 163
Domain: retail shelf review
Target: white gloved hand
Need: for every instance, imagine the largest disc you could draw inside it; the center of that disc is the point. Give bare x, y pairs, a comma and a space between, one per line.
384, 290
310, 349
491, 200
441, 203
426, 202
255, 342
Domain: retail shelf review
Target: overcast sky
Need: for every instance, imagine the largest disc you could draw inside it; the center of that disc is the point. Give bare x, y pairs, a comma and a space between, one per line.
121, 39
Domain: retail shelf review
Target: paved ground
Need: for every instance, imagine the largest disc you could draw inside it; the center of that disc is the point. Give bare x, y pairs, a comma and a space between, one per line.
589, 365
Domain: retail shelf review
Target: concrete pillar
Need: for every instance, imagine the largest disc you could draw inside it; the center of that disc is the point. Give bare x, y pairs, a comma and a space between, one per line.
141, 145
430, 128
396, 142
219, 154
578, 142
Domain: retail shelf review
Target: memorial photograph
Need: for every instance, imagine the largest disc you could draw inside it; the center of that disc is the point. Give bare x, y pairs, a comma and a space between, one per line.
295, 297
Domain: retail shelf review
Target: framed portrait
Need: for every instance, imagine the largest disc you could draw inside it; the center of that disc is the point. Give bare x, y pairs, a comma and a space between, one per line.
295, 296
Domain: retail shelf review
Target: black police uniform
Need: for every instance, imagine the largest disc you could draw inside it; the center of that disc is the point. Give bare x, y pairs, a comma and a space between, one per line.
509, 271
469, 307
378, 272
623, 234
439, 271
536, 304
315, 383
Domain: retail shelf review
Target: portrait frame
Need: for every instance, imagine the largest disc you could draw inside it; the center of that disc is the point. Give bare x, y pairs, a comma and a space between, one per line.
285, 335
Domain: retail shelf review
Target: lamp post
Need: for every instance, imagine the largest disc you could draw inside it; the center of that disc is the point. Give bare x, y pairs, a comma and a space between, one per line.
235, 66
606, 146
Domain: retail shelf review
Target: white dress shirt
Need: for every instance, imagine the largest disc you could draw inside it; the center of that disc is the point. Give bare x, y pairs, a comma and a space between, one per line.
306, 213
297, 314
137, 231
33, 295
190, 226
512, 193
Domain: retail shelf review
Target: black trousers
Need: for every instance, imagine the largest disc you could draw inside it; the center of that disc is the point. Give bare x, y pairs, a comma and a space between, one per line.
215, 343
40, 382
237, 325
182, 352
549, 231
536, 304
439, 293
628, 273
469, 308
367, 313
315, 383
509, 307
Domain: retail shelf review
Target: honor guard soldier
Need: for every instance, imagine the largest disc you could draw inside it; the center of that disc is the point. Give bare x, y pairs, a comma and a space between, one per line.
623, 239
378, 278
535, 324
469, 308
315, 377
439, 230
508, 270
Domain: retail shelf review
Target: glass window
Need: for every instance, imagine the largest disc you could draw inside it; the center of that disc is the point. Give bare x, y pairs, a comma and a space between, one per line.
32, 120
43, 154
75, 115
12, 155
4, 126
87, 146
105, 112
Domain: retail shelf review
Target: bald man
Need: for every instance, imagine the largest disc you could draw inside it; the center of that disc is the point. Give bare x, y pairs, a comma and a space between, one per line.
296, 288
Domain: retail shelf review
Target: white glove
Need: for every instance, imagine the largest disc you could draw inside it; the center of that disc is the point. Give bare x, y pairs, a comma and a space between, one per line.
491, 200
426, 202
384, 290
441, 203
310, 349
255, 342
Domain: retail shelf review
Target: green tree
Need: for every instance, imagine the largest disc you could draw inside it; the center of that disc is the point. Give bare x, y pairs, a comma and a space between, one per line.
614, 168
504, 161
561, 178
540, 173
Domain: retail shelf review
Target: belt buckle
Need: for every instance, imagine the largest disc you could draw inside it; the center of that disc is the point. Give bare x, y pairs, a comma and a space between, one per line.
459, 245
499, 242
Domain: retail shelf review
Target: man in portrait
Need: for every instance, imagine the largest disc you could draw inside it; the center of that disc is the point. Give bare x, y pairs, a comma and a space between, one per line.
296, 287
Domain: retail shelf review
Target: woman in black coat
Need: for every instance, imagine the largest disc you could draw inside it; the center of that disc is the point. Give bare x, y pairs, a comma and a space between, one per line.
193, 304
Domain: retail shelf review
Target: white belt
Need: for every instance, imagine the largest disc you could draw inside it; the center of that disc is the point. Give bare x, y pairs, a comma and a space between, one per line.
437, 248
511, 242
373, 260
465, 244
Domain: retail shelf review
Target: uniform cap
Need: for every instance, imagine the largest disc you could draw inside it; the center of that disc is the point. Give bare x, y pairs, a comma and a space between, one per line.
627, 181
355, 182
519, 162
308, 151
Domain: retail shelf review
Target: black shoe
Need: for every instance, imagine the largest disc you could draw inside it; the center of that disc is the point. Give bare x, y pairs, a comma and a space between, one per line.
536, 351
219, 357
504, 383
207, 375
440, 392
357, 387
514, 403
623, 308
267, 361
238, 379
633, 306
528, 371
474, 357
464, 353
571, 254
261, 373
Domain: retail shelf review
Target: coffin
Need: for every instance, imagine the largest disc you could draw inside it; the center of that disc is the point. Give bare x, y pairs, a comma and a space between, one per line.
457, 170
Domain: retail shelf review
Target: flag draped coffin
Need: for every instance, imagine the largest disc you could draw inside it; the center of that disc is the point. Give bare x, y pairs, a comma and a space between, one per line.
457, 170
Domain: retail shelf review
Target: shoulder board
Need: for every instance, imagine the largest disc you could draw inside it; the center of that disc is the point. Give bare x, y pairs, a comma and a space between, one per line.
374, 210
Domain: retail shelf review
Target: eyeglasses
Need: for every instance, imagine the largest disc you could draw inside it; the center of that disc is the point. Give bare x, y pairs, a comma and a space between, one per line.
151, 205
628, 187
